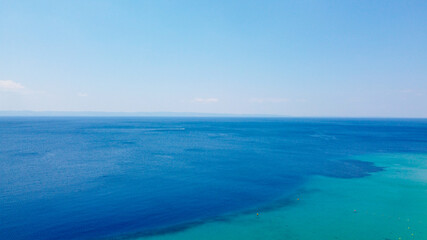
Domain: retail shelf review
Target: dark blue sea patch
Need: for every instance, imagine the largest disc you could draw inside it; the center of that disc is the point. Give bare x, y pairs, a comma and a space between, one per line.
347, 169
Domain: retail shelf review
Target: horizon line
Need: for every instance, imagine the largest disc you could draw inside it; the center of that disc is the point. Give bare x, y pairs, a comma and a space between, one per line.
34, 113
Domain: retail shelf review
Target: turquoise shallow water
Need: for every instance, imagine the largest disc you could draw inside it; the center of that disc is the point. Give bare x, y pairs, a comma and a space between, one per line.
390, 204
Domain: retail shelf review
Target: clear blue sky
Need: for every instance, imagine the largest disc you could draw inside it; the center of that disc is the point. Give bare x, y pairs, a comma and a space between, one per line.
298, 58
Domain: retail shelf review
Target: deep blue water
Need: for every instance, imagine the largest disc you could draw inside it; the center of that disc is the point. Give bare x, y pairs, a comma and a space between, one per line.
89, 178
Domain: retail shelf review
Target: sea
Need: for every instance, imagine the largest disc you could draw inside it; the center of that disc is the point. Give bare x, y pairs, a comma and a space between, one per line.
164, 178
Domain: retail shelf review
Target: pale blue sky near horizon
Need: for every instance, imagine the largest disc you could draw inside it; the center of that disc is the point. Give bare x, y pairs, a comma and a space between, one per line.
294, 58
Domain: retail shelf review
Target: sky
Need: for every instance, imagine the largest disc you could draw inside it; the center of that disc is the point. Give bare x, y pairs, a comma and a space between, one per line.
292, 58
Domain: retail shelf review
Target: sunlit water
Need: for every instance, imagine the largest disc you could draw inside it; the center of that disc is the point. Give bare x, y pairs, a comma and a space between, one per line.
207, 178
388, 205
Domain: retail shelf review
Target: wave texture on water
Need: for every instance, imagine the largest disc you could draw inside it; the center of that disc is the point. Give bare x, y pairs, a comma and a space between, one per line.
89, 178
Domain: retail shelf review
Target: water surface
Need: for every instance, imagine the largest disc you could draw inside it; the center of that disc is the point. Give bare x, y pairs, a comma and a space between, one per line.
94, 178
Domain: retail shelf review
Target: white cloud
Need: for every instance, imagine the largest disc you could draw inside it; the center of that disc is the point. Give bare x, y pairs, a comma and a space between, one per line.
82, 94
407, 91
412, 92
10, 86
269, 100
206, 100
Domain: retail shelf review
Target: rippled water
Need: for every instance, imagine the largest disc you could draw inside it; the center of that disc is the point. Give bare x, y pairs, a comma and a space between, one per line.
89, 178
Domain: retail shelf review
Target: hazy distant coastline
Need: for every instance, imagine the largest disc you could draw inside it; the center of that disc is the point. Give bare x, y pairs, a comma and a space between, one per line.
123, 114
